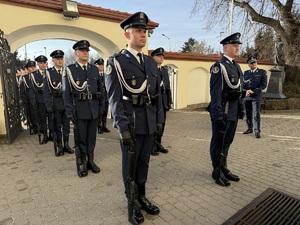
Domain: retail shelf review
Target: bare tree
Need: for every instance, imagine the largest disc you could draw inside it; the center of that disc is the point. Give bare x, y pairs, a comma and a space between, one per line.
251, 15
193, 46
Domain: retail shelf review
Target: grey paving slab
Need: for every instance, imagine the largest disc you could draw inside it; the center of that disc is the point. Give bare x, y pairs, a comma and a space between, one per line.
39, 188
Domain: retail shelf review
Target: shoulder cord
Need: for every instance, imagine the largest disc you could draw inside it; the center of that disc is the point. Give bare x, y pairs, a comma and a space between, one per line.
24, 81
34, 81
122, 80
72, 82
225, 75
19, 81
57, 87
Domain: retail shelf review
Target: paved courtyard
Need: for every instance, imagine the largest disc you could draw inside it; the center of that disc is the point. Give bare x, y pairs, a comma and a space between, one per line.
38, 188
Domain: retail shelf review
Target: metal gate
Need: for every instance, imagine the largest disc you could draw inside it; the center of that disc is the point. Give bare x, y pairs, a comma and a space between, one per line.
10, 91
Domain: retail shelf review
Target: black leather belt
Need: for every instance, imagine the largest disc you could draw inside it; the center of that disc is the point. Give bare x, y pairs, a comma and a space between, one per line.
141, 100
57, 93
87, 96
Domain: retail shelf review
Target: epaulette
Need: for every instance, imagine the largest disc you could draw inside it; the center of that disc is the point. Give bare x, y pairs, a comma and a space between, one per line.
116, 55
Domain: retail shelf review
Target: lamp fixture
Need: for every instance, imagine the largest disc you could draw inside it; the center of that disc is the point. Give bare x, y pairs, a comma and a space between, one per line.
70, 9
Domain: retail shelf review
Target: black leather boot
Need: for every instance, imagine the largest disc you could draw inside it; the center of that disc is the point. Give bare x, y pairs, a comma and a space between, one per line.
45, 138
58, 148
81, 165
50, 137
227, 173
146, 205
100, 129
104, 128
159, 147
67, 148
219, 177
91, 165
154, 150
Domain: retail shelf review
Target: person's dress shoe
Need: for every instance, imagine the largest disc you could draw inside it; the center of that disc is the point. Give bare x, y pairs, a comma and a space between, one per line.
100, 130
137, 217
149, 207
249, 131
257, 135
161, 148
105, 129
154, 151
221, 180
230, 176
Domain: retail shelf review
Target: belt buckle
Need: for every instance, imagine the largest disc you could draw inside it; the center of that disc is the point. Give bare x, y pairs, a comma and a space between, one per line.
89, 96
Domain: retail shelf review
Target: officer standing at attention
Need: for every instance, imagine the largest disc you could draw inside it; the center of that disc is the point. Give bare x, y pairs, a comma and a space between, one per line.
225, 107
82, 98
158, 56
255, 80
133, 88
54, 101
36, 92
31, 112
103, 118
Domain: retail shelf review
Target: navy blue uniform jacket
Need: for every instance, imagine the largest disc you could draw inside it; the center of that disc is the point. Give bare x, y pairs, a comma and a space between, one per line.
167, 96
36, 89
85, 109
53, 97
147, 116
218, 88
256, 82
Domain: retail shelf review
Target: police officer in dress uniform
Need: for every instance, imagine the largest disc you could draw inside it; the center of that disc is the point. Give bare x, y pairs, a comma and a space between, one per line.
103, 118
54, 101
255, 80
82, 98
31, 111
19, 73
225, 107
133, 88
36, 92
158, 56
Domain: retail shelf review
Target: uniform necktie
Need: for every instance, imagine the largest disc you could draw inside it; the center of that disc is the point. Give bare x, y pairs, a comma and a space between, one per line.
84, 69
59, 72
141, 59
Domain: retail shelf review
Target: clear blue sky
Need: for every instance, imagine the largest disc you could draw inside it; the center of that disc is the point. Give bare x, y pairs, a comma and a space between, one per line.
174, 20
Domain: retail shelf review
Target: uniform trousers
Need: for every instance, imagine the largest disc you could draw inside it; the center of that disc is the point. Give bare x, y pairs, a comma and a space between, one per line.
62, 124
42, 114
142, 148
104, 114
86, 135
229, 136
253, 114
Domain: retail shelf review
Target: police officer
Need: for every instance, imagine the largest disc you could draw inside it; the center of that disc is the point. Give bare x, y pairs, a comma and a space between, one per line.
255, 80
82, 98
36, 92
158, 56
31, 111
22, 98
103, 118
225, 107
133, 88
55, 104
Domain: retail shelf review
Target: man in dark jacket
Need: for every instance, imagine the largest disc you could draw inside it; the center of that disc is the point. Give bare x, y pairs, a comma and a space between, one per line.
133, 91
255, 80
158, 56
82, 98
55, 104
225, 107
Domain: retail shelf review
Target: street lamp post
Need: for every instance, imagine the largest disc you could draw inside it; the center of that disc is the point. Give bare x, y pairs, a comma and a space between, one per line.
231, 17
221, 34
168, 39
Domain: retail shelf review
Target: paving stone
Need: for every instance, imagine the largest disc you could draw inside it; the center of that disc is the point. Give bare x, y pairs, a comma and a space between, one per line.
39, 188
